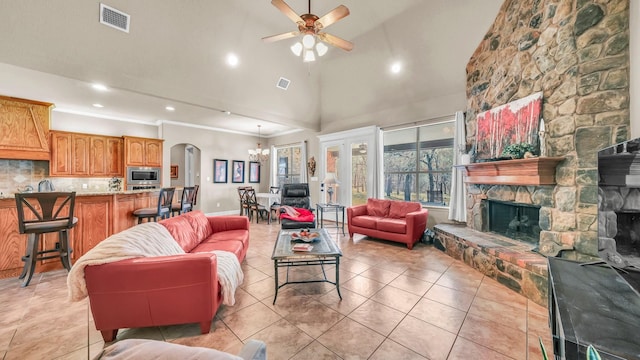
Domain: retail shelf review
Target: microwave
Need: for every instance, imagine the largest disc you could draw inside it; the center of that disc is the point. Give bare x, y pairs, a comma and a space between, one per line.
143, 175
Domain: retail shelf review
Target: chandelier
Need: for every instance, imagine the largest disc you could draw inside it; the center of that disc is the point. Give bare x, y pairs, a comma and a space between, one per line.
259, 154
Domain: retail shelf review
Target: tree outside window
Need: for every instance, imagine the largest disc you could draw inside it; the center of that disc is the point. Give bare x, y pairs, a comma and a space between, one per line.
417, 163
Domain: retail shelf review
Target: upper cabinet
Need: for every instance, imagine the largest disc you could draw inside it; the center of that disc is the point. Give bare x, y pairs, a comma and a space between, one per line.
142, 151
74, 154
24, 129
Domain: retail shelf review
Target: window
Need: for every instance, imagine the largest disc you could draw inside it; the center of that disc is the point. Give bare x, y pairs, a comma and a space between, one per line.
289, 164
417, 163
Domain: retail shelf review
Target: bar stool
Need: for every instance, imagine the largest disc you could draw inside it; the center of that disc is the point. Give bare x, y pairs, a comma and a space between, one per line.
275, 207
186, 201
162, 211
40, 213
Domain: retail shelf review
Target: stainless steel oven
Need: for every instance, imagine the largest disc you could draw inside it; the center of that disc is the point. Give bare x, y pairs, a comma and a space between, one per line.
139, 176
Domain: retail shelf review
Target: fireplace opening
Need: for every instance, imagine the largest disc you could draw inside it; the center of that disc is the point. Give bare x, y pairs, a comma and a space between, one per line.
515, 220
628, 235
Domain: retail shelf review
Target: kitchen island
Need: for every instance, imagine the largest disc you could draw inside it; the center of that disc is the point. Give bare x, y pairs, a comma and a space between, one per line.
100, 214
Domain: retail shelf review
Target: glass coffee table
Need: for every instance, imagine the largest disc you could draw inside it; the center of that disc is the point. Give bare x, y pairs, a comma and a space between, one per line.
324, 252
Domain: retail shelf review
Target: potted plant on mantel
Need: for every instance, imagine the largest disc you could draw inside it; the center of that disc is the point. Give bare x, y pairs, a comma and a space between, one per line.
519, 151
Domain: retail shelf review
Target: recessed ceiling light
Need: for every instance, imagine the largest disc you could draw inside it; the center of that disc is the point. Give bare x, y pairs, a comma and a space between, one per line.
170, 108
396, 67
227, 112
98, 105
99, 87
232, 60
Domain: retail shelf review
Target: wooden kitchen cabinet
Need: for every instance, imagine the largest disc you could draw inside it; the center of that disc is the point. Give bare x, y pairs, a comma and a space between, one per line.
142, 151
24, 129
126, 204
94, 223
86, 155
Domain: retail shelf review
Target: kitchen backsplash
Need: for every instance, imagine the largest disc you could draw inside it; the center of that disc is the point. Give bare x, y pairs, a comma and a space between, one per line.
15, 175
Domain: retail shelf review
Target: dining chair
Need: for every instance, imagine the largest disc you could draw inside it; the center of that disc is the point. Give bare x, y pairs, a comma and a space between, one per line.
275, 207
255, 207
162, 211
40, 213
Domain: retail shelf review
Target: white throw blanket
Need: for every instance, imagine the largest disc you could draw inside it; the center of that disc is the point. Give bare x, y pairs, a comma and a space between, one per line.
143, 240
230, 275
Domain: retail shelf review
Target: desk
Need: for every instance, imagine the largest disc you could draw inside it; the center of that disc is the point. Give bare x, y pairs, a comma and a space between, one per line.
321, 208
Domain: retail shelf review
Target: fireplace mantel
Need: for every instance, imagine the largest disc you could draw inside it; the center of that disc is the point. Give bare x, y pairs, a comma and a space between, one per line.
619, 169
532, 171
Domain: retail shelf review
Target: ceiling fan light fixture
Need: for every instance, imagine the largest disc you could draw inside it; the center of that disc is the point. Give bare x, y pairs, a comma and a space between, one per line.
309, 56
308, 41
296, 49
321, 48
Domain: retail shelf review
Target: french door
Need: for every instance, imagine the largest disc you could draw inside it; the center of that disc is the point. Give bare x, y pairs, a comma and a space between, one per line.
348, 166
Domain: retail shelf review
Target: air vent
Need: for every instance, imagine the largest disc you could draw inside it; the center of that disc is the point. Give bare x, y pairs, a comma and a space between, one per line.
283, 83
114, 18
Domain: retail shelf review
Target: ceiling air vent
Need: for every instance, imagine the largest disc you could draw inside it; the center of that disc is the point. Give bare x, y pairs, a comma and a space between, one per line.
114, 18
283, 83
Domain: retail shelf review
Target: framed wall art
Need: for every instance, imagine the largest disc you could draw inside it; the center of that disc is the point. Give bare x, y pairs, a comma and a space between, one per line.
219, 171
238, 171
254, 172
174, 171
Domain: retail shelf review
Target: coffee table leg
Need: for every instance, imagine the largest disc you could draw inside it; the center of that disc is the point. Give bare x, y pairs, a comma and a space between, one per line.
338, 276
275, 275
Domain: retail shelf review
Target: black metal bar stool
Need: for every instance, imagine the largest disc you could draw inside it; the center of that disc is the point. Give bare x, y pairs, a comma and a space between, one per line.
40, 213
162, 211
187, 200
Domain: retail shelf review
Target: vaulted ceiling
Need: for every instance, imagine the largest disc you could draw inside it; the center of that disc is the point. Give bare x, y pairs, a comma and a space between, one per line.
175, 55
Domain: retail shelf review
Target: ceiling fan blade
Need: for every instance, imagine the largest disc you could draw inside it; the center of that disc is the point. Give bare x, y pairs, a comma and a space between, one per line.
288, 11
282, 36
336, 41
332, 17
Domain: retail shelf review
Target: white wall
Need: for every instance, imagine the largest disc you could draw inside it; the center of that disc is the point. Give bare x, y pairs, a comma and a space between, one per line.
91, 125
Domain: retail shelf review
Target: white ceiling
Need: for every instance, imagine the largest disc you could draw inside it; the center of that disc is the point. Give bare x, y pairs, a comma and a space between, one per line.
175, 55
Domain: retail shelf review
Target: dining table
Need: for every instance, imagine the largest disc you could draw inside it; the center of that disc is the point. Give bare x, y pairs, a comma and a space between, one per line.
267, 199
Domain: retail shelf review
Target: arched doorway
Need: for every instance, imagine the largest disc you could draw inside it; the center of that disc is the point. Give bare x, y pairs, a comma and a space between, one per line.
187, 159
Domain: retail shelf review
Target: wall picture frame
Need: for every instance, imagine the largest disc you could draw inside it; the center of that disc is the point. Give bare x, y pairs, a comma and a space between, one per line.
237, 167
254, 172
219, 171
174, 171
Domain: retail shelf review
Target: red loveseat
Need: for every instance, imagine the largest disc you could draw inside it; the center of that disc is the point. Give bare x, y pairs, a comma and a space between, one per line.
167, 290
400, 221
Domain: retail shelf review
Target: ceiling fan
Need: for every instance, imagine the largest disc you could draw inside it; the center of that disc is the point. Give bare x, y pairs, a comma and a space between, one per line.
310, 26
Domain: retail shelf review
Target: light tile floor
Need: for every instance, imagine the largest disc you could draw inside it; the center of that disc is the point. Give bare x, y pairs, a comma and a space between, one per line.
396, 304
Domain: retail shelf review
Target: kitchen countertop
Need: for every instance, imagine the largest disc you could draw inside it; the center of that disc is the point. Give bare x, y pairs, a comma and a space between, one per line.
96, 193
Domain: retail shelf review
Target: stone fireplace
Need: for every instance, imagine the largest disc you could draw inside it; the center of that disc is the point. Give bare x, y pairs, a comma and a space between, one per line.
577, 53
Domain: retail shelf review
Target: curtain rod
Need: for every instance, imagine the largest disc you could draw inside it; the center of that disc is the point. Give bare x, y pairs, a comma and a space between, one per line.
432, 121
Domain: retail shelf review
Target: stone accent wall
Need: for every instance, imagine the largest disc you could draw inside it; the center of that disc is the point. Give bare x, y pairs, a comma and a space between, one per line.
577, 53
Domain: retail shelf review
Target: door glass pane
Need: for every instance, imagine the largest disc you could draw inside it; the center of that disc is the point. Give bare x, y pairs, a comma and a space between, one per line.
359, 173
333, 177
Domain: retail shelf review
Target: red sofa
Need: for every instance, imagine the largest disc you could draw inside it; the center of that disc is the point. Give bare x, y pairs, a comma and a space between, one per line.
167, 290
400, 221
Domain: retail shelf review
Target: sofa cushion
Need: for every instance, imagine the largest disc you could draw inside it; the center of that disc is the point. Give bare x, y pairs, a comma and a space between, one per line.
397, 226
181, 230
229, 235
199, 223
400, 209
365, 221
233, 246
377, 207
